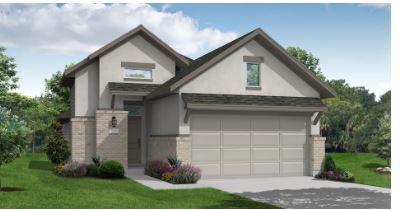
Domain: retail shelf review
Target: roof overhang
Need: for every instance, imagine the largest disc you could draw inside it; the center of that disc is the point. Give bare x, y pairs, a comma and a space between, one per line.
139, 30
256, 108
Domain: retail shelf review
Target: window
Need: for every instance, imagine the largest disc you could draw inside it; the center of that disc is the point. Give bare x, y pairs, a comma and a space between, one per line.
136, 73
253, 75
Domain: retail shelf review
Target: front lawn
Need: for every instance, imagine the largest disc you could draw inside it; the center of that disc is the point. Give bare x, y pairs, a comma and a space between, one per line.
363, 166
30, 183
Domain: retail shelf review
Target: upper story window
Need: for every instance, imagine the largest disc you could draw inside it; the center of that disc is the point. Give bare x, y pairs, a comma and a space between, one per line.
133, 73
253, 71
138, 71
253, 75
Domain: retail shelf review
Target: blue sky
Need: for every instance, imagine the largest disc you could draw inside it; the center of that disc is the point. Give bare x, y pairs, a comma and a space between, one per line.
351, 40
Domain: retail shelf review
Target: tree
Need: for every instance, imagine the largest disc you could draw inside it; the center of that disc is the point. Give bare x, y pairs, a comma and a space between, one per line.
8, 73
383, 138
13, 131
56, 93
308, 59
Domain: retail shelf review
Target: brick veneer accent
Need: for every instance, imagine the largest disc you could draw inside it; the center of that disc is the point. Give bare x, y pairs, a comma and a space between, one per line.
160, 147
112, 146
82, 138
317, 152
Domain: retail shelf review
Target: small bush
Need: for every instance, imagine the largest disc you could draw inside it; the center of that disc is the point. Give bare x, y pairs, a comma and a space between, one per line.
167, 176
92, 170
58, 169
329, 163
174, 161
56, 149
156, 168
111, 169
73, 169
186, 174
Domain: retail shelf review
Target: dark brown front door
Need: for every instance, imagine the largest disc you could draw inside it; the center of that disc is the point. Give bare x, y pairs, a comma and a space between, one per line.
134, 140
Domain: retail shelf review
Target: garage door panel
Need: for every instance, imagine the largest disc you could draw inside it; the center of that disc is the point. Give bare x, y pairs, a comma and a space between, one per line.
204, 123
265, 139
265, 154
236, 155
293, 123
206, 155
206, 140
235, 139
269, 123
292, 139
241, 169
291, 168
270, 169
210, 169
236, 124
292, 154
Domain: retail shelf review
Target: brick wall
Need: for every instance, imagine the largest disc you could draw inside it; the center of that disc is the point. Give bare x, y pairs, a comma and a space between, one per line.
317, 152
83, 138
160, 147
112, 146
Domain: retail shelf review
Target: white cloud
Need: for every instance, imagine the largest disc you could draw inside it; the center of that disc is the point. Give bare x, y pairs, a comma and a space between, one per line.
83, 28
376, 5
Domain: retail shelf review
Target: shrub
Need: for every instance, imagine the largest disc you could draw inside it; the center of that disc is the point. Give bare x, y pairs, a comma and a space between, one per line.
156, 168
74, 169
346, 176
56, 149
111, 169
167, 176
174, 161
329, 164
92, 170
186, 174
58, 169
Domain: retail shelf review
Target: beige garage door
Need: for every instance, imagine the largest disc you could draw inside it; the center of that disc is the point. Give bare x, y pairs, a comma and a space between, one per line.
228, 145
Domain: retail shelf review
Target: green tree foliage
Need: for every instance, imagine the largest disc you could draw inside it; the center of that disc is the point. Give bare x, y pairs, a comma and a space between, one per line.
13, 132
383, 138
8, 73
352, 119
308, 59
57, 94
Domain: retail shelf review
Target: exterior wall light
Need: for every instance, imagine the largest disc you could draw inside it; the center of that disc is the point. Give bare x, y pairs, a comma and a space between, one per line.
114, 122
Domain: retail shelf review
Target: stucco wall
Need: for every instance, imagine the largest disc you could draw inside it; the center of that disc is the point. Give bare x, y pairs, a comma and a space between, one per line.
85, 90
135, 50
164, 116
229, 76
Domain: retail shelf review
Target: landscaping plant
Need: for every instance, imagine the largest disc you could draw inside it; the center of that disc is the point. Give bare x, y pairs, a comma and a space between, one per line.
13, 132
329, 163
186, 174
174, 161
71, 169
57, 149
92, 170
156, 168
111, 169
331, 172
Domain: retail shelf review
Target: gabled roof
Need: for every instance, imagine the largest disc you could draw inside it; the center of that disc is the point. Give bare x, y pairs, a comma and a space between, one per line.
203, 63
181, 60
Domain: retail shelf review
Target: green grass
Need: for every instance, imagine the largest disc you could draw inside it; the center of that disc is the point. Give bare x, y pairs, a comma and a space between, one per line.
363, 166
29, 183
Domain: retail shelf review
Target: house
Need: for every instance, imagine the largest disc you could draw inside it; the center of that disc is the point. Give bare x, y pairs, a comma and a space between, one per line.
247, 108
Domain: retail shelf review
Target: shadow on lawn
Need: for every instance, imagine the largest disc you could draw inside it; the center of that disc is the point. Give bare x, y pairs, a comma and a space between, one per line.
40, 165
11, 189
238, 202
373, 165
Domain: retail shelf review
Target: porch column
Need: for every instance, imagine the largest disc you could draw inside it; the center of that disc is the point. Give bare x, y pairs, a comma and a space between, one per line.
112, 142
317, 153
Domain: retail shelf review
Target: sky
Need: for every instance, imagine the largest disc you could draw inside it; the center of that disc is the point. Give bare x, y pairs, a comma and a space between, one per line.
352, 41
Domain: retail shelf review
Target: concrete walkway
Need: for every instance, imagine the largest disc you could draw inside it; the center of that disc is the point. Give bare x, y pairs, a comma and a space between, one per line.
286, 192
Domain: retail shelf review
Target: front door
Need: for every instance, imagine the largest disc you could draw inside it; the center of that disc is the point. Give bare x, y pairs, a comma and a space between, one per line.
134, 140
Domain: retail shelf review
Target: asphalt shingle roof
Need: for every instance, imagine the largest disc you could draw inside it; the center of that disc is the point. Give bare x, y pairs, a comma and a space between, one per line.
251, 100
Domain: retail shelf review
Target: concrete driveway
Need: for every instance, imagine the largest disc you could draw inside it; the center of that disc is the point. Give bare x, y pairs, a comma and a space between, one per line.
305, 192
